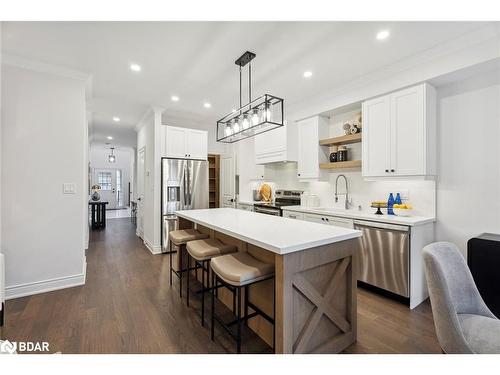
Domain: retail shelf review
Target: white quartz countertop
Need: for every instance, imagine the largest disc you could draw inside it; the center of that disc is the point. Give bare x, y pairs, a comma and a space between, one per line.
274, 233
363, 215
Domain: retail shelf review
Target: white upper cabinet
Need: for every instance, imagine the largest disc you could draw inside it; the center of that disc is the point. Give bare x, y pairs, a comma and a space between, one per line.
184, 143
310, 154
399, 133
276, 145
247, 167
196, 144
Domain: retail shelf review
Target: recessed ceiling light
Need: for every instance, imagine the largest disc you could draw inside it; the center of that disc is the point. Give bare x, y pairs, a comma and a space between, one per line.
109, 137
135, 67
207, 105
308, 74
175, 98
116, 119
384, 34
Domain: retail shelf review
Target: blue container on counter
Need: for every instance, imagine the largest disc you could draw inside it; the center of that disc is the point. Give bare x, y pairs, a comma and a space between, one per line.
390, 204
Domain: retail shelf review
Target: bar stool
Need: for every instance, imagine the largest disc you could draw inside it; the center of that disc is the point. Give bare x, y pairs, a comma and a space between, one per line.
179, 238
240, 270
203, 251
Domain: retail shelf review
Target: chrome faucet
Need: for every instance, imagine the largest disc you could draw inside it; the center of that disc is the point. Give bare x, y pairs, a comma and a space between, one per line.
346, 191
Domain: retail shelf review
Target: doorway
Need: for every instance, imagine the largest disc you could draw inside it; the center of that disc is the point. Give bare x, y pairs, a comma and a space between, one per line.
111, 182
141, 170
228, 179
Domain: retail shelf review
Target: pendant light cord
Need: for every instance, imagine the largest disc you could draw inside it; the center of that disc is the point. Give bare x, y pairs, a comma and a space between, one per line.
240, 90
250, 82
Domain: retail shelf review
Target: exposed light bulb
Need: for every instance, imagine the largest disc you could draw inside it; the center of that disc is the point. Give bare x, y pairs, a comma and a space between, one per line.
236, 126
229, 131
266, 113
255, 117
245, 124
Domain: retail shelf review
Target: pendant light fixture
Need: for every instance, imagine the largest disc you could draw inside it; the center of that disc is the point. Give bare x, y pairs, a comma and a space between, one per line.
257, 116
112, 157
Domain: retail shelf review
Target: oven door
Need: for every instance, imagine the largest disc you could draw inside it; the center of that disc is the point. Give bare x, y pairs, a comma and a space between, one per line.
267, 210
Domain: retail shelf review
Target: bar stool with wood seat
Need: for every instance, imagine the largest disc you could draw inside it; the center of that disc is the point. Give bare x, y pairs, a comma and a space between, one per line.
179, 238
203, 251
240, 270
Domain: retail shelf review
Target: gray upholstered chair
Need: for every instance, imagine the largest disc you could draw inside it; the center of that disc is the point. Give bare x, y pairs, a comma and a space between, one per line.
464, 324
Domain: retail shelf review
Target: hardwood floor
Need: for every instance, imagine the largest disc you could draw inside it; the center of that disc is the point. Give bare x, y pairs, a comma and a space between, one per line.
127, 306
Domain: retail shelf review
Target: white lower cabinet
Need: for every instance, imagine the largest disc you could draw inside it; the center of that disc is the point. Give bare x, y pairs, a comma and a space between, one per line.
293, 215
330, 220
245, 206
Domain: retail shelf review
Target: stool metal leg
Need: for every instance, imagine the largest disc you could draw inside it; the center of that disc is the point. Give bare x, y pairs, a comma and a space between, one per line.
179, 255
214, 287
171, 269
203, 264
238, 337
187, 282
245, 314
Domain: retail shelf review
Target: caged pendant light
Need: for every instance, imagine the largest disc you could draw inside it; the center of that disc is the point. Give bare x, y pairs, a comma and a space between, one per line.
257, 116
112, 157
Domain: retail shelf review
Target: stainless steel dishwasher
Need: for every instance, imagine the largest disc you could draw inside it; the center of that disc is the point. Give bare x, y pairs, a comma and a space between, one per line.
384, 256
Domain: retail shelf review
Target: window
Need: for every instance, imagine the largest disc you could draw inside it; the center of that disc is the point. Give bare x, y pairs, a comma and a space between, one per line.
119, 195
104, 180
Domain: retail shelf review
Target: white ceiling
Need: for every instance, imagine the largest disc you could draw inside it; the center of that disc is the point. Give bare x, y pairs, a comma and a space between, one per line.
195, 60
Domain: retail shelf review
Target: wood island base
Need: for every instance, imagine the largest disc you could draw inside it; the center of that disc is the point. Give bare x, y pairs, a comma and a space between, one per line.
315, 292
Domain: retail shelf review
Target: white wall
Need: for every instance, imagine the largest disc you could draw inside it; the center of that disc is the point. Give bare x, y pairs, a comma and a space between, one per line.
43, 143
148, 136
468, 186
124, 161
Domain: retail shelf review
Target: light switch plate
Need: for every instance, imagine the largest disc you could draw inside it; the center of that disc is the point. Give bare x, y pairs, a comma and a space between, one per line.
69, 188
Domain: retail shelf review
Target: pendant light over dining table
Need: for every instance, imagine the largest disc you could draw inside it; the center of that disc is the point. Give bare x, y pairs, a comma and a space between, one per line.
257, 116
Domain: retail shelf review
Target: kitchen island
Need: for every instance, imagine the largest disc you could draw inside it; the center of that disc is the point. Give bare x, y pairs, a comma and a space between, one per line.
315, 280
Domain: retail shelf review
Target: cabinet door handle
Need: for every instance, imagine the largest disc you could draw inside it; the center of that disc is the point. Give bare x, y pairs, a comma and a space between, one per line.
386, 171
298, 174
392, 170
327, 219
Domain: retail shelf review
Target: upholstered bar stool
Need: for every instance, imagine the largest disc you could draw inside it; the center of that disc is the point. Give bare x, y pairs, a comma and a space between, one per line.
203, 251
240, 270
179, 238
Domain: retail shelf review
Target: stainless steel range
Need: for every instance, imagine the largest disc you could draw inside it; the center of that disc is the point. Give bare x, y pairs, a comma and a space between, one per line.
282, 198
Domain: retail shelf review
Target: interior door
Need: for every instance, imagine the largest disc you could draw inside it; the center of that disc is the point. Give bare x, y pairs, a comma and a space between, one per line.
228, 177
376, 137
106, 179
141, 170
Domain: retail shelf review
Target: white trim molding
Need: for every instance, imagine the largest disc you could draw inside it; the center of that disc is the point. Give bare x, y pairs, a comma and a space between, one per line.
153, 249
38, 66
43, 286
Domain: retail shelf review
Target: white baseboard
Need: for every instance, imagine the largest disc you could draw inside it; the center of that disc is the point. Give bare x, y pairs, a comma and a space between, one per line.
153, 249
28, 289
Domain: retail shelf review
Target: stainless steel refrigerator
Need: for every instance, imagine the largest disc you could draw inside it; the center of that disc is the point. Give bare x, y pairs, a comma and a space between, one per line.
184, 187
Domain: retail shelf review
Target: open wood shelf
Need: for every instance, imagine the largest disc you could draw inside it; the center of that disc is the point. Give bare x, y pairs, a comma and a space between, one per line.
343, 140
213, 178
341, 164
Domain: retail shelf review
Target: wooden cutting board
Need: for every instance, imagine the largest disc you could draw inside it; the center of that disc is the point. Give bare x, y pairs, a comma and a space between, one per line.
265, 192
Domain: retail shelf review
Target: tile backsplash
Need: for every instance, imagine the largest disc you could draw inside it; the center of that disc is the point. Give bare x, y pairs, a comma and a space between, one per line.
421, 193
